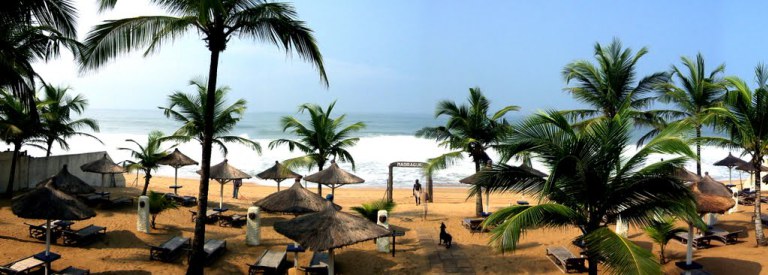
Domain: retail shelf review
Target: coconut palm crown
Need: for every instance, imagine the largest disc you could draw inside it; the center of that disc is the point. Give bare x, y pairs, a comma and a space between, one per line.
56, 109
189, 109
593, 180
19, 126
147, 155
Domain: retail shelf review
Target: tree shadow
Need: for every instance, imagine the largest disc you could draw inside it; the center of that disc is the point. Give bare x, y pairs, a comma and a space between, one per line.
720, 265
125, 272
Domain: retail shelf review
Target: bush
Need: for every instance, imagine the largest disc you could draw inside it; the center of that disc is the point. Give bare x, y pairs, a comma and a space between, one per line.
371, 209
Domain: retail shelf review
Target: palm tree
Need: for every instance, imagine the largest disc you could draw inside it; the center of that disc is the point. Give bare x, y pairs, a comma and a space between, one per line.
19, 127
609, 86
320, 140
189, 110
158, 203
590, 185
469, 129
661, 231
747, 129
148, 155
56, 108
370, 210
699, 98
217, 22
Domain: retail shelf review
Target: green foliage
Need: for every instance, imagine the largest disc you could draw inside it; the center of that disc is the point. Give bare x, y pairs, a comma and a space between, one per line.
661, 231
322, 138
19, 126
592, 182
189, 110
56, 108
370, 210
148, 155
159, 203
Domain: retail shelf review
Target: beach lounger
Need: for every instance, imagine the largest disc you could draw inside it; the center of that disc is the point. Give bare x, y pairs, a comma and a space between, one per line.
83, 235
169, 250
699, 241
269, 262
210, 216
119, 202
231, 220
183, 200
38, 231
474, 225
213, 249
24, 266
724, 236
565, 260
71, 270
318, 264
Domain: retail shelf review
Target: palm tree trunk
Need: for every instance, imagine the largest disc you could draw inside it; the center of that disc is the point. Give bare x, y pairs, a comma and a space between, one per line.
48, 149
698, 150
14, 159
147, 176
153, 221
198, 255
759, 235
661, 254
479, 196
320, 186
592, 269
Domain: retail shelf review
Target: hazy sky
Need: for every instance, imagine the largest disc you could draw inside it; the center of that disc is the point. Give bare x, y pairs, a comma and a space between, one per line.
405, 55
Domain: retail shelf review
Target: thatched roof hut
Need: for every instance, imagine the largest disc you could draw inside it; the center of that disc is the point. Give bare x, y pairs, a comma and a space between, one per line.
225, 172
730, 161
472, 180
329, 229
334, 177
176, 159
295, 200
712, 196
747, 167
103, 165
68, 183
47, 203
684, 175
278, 173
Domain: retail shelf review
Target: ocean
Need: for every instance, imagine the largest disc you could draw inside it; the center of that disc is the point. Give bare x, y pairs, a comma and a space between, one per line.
386, 139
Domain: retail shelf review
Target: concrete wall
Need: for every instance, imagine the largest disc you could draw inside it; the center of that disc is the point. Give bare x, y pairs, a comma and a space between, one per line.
31, 170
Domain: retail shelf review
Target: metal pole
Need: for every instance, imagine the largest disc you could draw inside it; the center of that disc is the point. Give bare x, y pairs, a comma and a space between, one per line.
689, 245
175, 180
221, 195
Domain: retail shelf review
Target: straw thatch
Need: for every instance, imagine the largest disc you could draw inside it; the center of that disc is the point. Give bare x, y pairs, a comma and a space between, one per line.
295, 200
730, 161
68, 183
278, 172
712, 196
329, 229
747, 167
102, 166
177, 159
334, 175
224, 171
684, 175
47, 203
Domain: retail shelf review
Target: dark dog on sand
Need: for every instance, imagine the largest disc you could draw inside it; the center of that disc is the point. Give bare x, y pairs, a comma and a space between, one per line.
445, 238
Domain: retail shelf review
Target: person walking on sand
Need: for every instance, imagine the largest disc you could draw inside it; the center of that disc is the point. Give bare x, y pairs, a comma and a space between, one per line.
417, 192
236, 187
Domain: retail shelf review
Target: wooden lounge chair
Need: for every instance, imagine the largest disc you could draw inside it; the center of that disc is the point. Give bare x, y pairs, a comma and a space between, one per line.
183, 200
23, 266
269, 262
116, 203
38, 232
169, 250
565, 260
699, 241
473, 224
318, 264
71, 270
723, 235
83, 235
231, 220
210, 216
213, 249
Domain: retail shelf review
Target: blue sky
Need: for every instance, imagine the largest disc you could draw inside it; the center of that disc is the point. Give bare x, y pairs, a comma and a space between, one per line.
404, 56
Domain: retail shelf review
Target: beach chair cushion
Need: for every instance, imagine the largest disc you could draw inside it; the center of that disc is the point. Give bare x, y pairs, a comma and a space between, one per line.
25, 265
213, 249
473, 224
565, 260
270, 261
84, 235
169, 250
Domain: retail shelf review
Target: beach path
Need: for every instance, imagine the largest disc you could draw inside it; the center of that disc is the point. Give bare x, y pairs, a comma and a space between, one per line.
441, 260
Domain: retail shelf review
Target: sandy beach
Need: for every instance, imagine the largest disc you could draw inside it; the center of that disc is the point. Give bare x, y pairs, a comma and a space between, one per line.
125, 251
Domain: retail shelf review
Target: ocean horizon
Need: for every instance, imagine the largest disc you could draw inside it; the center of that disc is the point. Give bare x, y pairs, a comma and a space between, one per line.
388, 137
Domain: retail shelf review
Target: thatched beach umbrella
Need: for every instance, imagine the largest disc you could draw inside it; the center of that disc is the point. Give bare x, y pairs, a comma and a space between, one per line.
730, 161
473, 179
684, 175
334, 177
46, 203
747, 167
330, 229
102, 166
278, 173
68, 183
223, 173
711, 197
176, 160
295, 200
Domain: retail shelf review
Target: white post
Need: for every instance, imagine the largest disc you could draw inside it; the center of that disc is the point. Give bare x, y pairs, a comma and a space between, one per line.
175, 180
487, 200
331, 262
622, 227
252, 229
221, 196
689, 245
142, 223
382, 244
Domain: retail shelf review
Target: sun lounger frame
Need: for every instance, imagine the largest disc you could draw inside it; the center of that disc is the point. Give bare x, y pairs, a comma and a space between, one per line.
183, 200
700, 241
83, 235
565, 260
213, 249
232, 220
170, 249
260, 267
474, 225
211, 216
318, 264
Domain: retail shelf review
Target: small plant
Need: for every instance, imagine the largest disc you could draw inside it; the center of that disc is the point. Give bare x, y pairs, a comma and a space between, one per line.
370, 210
661, 231
157, 204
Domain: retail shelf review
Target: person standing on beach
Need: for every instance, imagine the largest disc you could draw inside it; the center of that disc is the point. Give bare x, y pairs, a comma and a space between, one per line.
236, 187
417, 192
